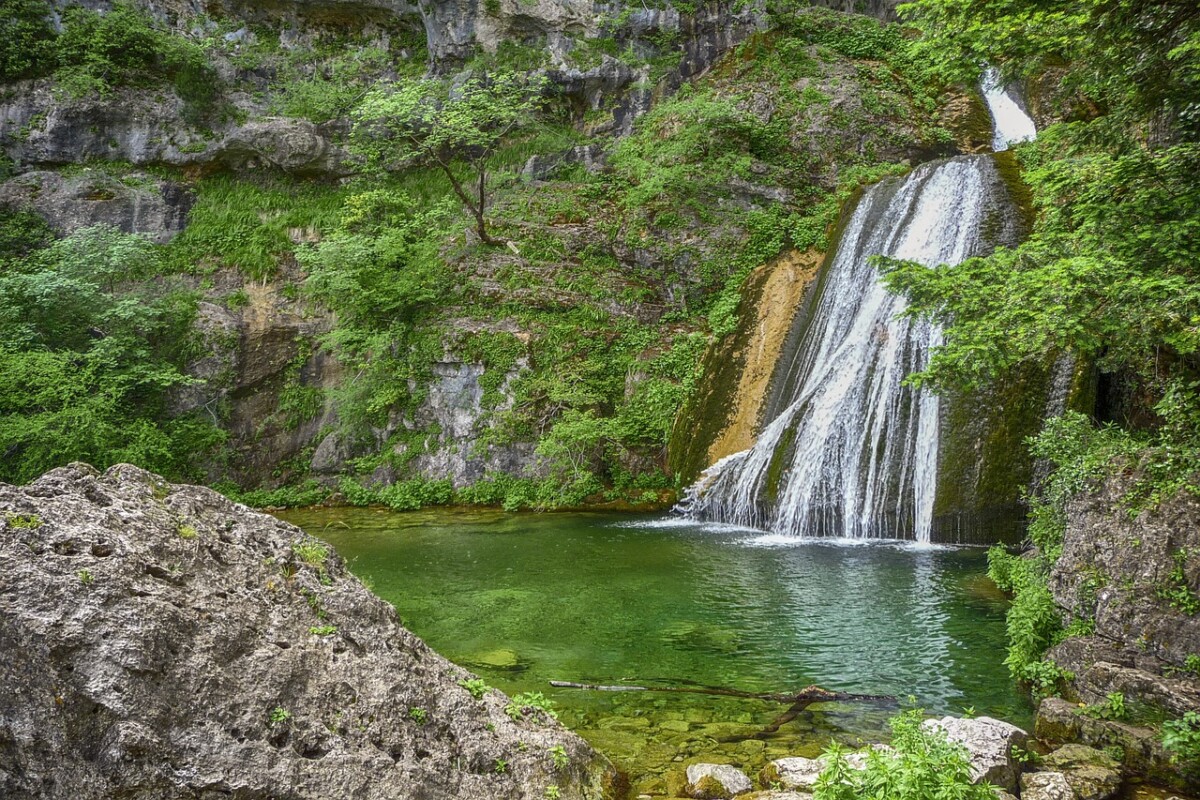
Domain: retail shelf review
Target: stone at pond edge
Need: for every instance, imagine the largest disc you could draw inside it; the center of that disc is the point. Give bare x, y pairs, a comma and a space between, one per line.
1093, 774
716, 781
1059, 722
792, 773
140, 661
1046, 786
989, 742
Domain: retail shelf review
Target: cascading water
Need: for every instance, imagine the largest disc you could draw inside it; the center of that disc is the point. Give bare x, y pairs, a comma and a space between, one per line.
854, 452
1010, 123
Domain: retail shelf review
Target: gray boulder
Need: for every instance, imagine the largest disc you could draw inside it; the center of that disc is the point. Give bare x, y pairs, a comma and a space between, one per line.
989, 742
162, 641
1046, 786
713, 781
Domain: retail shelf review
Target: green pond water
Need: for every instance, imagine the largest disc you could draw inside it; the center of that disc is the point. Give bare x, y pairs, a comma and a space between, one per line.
522, 599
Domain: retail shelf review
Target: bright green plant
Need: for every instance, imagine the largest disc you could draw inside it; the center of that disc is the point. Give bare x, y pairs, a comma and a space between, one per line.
1181, 737
279, 716
553, 793
1176, 592
311, 552
86, 577
323, 630
187, 531
476, 686
1113, 707
501, 766
23, 521
924, 765
535, 700
418, 715
558, 755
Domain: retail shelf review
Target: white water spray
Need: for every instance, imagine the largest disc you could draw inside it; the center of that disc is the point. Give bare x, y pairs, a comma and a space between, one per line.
1010, 123
855, 452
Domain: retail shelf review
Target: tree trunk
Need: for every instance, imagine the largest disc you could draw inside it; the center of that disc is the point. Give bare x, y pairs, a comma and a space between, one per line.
476, 208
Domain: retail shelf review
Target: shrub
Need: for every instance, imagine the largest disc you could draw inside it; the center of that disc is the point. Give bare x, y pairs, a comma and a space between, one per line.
536, 700
476, 686
925, 765
26, 39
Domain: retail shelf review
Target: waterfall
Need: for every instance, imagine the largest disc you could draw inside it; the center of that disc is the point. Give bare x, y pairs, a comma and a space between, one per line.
1010, 123
853, 452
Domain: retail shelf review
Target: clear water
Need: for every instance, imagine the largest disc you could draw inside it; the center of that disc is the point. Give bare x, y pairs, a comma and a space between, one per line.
523, 599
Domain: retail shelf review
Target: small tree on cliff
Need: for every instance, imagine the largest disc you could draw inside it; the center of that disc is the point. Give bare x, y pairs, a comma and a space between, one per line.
432, 123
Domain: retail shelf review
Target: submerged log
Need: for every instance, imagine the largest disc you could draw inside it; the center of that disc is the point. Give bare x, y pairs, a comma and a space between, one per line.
798, 702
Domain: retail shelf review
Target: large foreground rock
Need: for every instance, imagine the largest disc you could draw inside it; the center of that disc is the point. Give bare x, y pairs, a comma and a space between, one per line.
990, 744
160, 641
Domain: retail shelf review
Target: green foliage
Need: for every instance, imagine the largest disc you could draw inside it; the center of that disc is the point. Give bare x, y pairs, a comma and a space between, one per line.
418, 715
1134, 59
309, 493
416, 493
90, 349
279, 716
430, 123
97, 52
925, 765
552, 793
250, 225
26, 39
28, 522
500, 767
1181, 737
187, 531
86, 577
1113, 707
311, 552
323, 630
330, 91
381, 272
1109, 273
476, 686
558, 755
1176, 592
516, 708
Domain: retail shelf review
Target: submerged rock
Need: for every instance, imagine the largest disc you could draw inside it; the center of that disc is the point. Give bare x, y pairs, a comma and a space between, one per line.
163, 641
989, 742
712, 781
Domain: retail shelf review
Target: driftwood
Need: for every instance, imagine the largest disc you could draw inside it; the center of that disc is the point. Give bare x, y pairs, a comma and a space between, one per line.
797, 702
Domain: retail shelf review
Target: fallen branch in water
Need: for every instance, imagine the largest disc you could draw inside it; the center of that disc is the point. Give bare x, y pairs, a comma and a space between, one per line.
798, 702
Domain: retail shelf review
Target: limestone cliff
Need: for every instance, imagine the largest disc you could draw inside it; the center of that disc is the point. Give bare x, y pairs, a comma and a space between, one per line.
162, 641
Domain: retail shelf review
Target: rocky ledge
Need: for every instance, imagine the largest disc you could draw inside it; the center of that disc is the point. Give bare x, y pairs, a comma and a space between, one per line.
162, 641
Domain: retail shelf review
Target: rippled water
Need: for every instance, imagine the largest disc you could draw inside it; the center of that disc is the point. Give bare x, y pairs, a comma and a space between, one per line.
523, 599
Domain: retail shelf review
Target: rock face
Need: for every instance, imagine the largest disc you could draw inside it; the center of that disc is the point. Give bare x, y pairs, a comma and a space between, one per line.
136, 203
1138, 578
37, 128
1092, 774
1059, 721
162, 641
990, 743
